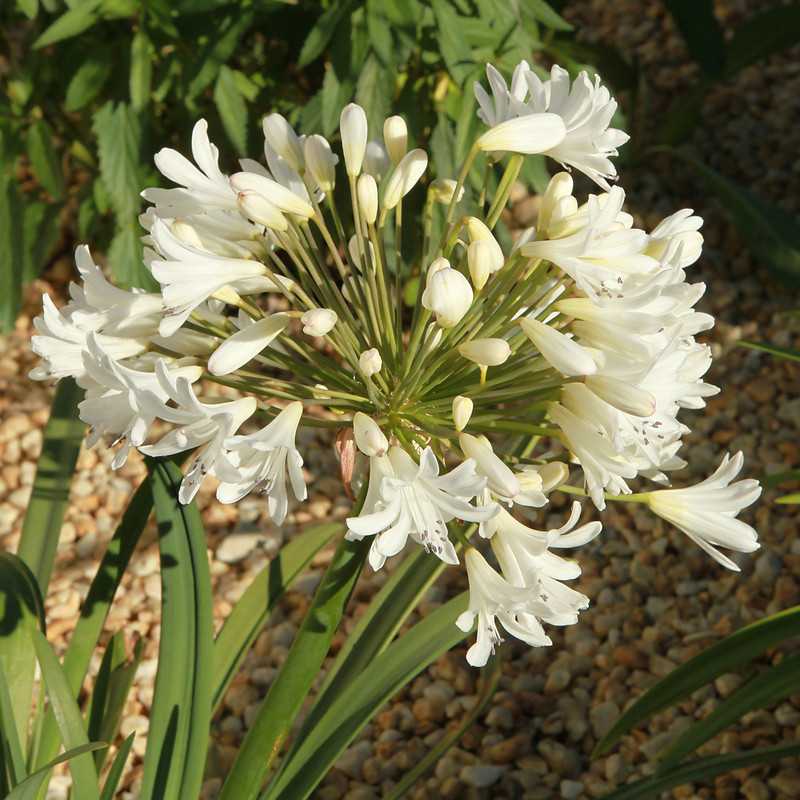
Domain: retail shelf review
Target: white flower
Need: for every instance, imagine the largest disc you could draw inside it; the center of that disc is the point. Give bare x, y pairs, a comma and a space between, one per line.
257, 208
447, 293
677, 236
247, 343
492, 597
395, 137
353, 129
558, 349
504, 104
462, 411
370, 362
404, 177
586, 109
486, 352
292, 199
282, 138
319, 321
263, 462
528, 135
414, 500
199, 425
369, 438
320, 161
706, 512
500, 479
121, 401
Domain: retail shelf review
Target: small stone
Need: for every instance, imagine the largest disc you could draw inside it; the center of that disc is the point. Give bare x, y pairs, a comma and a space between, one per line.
480, 775
768, 567
602, 717
755, 789
500, 717
560, 759
570, 790
787, 715
727, 684
557, 681
351, 762
236, 547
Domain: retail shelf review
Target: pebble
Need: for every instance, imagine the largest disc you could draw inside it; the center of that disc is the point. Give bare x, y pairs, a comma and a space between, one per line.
602, 717
480, 775
570, 790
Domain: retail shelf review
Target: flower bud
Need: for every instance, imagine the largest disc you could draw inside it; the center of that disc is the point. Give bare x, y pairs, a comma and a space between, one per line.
533, 133
353, 129
405, 176
395, 137
561, 352
624, 396
246, 344
318, 321
441, 190
370, 362
559, 188
462, 411
367, 191
447, 294
480, 260
187, 233
376, 160
284, 141
369, 437
502, 480
257, 208
277, 194
355, 255
486, 352
553, 474
320, 161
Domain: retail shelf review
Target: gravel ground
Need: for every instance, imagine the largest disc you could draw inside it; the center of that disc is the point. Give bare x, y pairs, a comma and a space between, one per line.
656, 599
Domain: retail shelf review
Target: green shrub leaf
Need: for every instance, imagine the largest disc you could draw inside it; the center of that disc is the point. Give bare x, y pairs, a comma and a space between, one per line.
45, 161
321, 33
88, 80
141, 74
76, 20
232, 109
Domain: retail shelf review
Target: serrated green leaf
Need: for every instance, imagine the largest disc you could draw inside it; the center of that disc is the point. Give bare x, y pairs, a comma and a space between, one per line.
725, 656
455, 52
30, 8
380, 33
29, 789
373, 94
117, 768
88, 80
702, 33
334, 96
355, 705
761, 691
232, 109
44, 160
321, 33
72, 22
703, 769
762, 35
125, 255
286, 694
181, 712
41, 529
544, 13
68, 716
141, 75
12, 253
251, 611
41, 232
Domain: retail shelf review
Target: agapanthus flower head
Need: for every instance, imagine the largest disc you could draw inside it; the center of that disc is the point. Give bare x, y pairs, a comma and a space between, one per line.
460, 378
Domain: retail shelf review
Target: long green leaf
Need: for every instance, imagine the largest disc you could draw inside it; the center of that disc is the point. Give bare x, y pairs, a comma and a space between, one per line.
22, 613
117, 767
72, 22
761, 691
68, 716
232, 108
98, 603
89, 78
287, 693
703, 769
321, 33
702, 32
12, 253
30, 787
11, 751
731, 652
181, 712
454, 49
253, 608
402, 661
762, 35
44, 159
62, 441
773, 349
141, 76
491, 679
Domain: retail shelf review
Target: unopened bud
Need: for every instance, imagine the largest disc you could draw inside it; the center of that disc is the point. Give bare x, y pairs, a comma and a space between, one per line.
486, 352
367, 191
462, 411
501, 479
395, 137
447, 294
442, 189
353, 130
405, 177
257, 208
480, 260
532, 133
565, 354
318, 321
272, 191
320, 161
370, 362
370, 439
284, 141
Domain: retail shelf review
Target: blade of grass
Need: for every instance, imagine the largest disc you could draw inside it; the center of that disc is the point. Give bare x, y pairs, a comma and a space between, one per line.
68, 716
731, 652
97, 604
62, 440
181, 712
703, 769
491, 678
253, 608
761, 691
117, 767
773, 349
352, 709
13, 756
30, 787
287, 693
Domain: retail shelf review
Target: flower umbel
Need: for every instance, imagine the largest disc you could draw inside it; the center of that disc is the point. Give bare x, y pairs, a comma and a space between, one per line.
461, 375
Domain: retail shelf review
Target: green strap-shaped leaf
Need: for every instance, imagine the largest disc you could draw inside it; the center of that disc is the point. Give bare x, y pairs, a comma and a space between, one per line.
21, 613
181, 712
702, 32
45, 515
287, 693
253, 608
12, 253
761, 691
703, 769
30, 787
762, 35
773, 349
68, 716
731, 652
321, 33
98, 603
491, 679
117, 767
232, 108
141, 76
11, 752
352, 709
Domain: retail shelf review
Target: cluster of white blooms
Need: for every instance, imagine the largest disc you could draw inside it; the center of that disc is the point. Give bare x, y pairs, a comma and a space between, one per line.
580, 337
